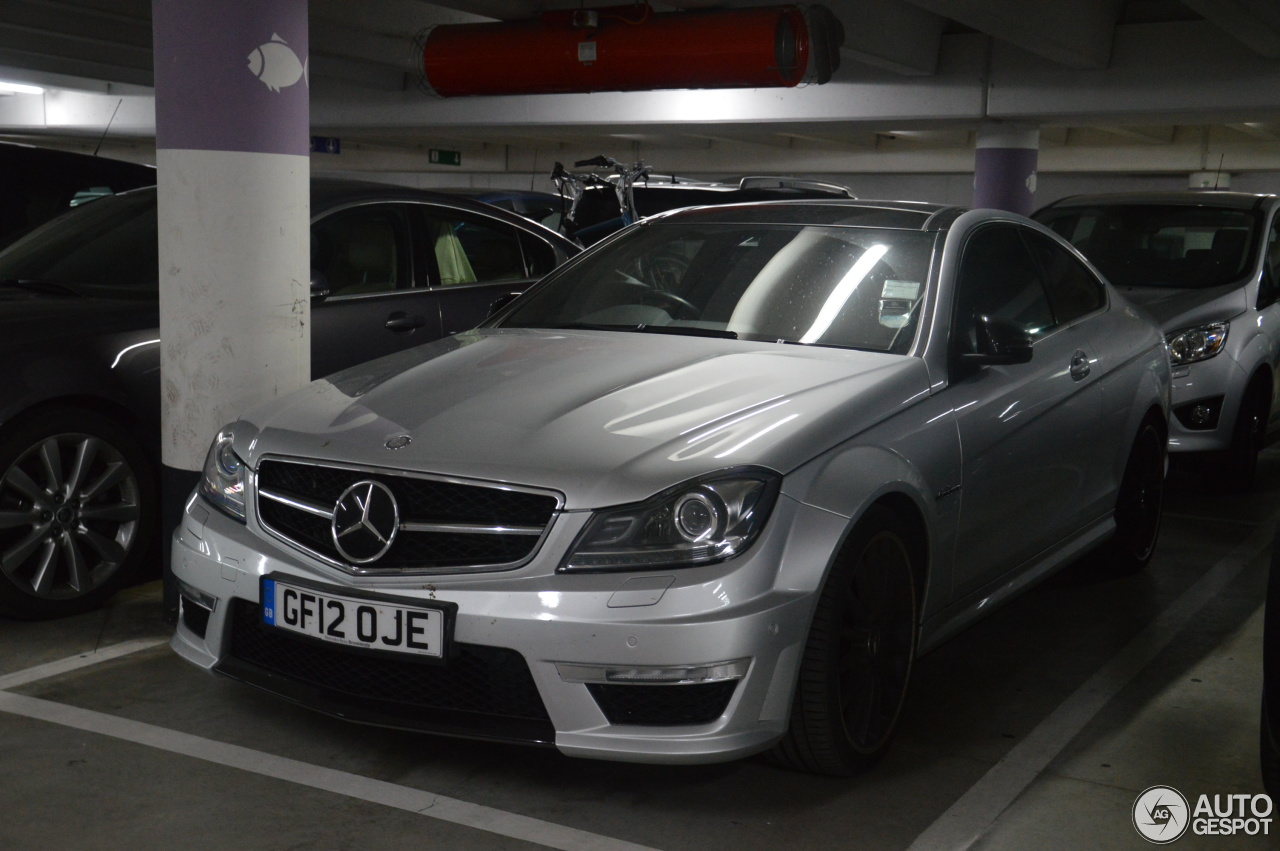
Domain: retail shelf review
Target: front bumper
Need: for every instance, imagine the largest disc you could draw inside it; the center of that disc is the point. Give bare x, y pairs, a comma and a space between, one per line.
1219, 383
567, 630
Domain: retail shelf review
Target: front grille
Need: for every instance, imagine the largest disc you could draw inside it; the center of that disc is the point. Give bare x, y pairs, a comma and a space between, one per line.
480, 691
663, 705
422, 501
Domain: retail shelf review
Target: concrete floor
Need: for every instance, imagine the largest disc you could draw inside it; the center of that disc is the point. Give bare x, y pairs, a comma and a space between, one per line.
1036, 729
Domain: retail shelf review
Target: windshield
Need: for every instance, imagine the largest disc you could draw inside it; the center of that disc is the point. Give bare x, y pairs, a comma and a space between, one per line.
848, 287
1152, 245
105, 248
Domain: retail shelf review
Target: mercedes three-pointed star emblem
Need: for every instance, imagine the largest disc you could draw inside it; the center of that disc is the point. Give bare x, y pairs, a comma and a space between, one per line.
366, 519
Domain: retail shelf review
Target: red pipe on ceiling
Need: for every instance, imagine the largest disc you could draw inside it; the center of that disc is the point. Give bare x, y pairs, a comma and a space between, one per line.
630, 48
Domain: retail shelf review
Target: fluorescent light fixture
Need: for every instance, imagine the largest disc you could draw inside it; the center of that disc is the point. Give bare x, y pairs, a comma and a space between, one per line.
7, 88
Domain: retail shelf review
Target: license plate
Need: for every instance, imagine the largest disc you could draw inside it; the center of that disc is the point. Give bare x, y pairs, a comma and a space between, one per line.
353, 621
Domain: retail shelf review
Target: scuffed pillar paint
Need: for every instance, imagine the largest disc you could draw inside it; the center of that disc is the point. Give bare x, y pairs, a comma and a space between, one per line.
232, 151
1004, 169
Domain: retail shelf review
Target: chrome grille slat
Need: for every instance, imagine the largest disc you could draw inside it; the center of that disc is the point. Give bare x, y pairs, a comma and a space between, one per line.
447, 525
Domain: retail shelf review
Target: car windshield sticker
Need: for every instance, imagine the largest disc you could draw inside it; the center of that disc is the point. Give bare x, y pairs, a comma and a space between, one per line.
897, 298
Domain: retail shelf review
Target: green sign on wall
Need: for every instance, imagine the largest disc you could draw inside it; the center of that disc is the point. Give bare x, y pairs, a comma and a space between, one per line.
439, 157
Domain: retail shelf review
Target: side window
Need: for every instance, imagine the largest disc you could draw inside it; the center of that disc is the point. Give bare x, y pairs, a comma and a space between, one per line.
1269, 292
999, 279
362, 250
1073, 289
473, 250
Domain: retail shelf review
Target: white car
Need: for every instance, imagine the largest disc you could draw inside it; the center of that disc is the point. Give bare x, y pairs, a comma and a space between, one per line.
708, 490
1206, 266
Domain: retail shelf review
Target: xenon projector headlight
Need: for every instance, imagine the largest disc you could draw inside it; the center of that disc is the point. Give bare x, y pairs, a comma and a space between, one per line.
223, 481
1196, 344
704, 520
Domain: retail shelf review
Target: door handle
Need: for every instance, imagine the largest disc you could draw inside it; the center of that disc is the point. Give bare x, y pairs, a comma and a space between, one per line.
400, 322
1079, 365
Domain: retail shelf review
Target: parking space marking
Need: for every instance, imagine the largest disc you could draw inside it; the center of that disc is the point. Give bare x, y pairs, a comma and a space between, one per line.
970, 817
316, 777
80, 660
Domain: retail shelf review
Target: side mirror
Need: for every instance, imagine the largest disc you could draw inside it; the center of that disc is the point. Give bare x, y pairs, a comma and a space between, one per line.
319, 286
500, 302
1000, 342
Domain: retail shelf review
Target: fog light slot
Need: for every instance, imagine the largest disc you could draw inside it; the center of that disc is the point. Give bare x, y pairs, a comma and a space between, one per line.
196, 606
715, 672
1200, 415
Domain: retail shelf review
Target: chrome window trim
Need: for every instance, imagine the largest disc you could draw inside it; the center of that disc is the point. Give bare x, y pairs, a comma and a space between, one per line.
457, 528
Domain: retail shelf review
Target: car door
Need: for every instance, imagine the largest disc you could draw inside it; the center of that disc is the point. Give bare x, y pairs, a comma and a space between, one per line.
474, 259
1028, 431
375, 304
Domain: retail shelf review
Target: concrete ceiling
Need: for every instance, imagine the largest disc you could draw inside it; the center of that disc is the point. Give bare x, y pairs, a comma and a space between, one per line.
1114, 85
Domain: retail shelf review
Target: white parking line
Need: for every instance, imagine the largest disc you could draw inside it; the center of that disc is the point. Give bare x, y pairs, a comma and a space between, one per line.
316, 777
970, 817
80, 660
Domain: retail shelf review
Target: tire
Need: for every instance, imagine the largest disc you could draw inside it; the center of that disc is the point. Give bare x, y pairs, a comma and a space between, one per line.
77, 512
857, 660
1138, 504
1240, 464
1268, 759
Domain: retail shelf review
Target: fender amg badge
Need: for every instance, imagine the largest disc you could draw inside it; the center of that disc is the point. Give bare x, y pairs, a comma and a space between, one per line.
400, 441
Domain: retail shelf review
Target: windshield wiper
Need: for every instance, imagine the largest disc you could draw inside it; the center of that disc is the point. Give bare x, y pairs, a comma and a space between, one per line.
687, 331
683, 330
37, 285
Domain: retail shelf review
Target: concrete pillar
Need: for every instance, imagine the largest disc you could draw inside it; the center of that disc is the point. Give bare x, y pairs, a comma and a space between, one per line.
233, 172
1004, 169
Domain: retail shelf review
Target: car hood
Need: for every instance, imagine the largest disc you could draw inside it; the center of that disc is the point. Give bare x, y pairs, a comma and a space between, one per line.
1177, 309
28, 317
602, 417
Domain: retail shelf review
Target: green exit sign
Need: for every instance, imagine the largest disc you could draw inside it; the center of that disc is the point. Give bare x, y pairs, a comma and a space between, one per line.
439, 157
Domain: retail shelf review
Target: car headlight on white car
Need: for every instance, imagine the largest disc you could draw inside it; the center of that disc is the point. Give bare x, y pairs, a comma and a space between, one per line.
1196, 344
223, 480
705, 520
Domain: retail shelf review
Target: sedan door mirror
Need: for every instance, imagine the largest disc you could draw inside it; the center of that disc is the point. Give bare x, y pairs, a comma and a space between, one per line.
319, 286
1000, 342
500, 302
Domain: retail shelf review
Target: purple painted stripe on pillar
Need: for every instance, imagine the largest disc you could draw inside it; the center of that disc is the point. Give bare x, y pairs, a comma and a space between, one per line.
1002, 179
231, 76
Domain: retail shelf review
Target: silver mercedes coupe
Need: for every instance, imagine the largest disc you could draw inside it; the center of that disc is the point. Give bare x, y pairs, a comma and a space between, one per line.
707, 490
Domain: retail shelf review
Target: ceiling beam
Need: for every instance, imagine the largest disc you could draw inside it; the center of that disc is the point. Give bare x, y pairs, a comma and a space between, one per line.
1254, 23
1075, 33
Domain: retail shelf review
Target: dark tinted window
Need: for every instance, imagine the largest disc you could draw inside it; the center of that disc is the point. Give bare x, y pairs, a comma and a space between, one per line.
106, 248
1149, 245
1270, 289
999, 279
362, 250
1073, 290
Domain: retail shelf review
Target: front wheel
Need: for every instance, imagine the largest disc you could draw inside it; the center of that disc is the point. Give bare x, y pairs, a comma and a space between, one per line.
1138, 504
858, 657
1240, 464
77, 512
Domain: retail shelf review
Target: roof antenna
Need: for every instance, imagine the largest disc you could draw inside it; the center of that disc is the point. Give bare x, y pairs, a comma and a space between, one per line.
108, 127
1218, 176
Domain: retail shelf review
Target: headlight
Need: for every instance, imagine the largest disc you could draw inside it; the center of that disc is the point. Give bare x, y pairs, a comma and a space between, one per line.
223, 482
1200, 343
708, 519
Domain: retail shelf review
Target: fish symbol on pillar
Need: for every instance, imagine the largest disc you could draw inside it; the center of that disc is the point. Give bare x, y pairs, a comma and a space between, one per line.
276, 65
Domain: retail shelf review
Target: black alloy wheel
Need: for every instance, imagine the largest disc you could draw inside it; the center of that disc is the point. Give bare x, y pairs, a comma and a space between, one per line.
1139, 503
858, 658
1240, 465
77, 512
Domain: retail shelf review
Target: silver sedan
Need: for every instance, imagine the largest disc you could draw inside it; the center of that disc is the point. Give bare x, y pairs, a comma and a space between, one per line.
708, 490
